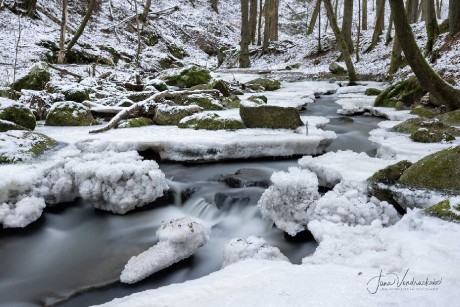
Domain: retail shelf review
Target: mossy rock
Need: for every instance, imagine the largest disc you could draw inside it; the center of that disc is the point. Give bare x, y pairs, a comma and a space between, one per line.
140, 96
125, 103
415, 124
150, 38
136, 122
210, 121
176, 51
17, 113
7, 92
231, 102
450, 118
408, 92
7, 125
172, 115
255, 88
268, 116
23, 145
424, 112
35, 79
400, 106
258, 98
201, 87
158, 84
337, 69
188, 77
69, 113
424, 135
204, 101
222, 86
372, 92
293, 66
267, 84
71, 92
443, 210
440, 170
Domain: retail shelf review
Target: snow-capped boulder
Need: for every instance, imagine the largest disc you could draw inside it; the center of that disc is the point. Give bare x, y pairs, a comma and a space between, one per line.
425, 130
172, 115
269, 116
7, 125
35, 79
287, 202
178, 240
71, 91
210, 121
450, 118
448, 209
40, 101
23, 145
337, 69
17, 113
207, 102
136, 122
158, 84
69, 113
21, 213
250, 248
264, 83
405, 93
187, 77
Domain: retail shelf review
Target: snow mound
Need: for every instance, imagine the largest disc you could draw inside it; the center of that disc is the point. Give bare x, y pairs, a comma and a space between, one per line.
287, 201
355, 105
250, 248
179, 239
333, 167
22, 213
350, 204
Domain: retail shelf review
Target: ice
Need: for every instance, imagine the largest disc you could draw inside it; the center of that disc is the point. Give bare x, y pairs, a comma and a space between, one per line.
355, 105
333, 167
178, 240
288, 200
250, 248
22, 213
391, 113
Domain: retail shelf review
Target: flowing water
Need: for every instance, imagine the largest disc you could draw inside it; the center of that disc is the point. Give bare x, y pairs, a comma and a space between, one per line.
75, 251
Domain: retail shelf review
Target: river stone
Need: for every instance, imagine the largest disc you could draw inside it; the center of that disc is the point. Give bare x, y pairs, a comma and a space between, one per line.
265, 83
69, 113
450, 118
372, 92
188, 76
222, 86
231, 102
443, 210
258, 98
17, 113
35, 79
71, 91
269, 116
440, 170
337, 69
205, 101
210, 121
23, 145
431, 136
247, 177
427, 130
136, 122
172, 115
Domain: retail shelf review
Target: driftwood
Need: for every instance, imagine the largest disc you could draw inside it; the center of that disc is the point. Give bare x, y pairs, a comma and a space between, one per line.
147, 108
66, 72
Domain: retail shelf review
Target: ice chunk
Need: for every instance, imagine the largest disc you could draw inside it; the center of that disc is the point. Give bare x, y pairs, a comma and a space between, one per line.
179, 239
21, 213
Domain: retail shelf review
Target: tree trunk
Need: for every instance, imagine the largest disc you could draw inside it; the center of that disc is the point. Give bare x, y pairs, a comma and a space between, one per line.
341, 42
253, 20
441, 92
314, 16
146, 11
347, 23
423, 9
245, 35
138, 30
438, 9
359, 31
396, 53
389, 29
414, 11
379, 25
259, 28
80, 29
431, 24
215, 5
364, 19
26, 7
454, 17
61, 55
275, 17
266, 25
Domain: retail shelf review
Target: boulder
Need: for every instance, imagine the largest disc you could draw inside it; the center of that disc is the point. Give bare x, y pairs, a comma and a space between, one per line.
372, 92
69, 113
205, 101
258, 98
247, 177
22, 145
337, 69
446, 210
7, 92
231, 102
71, 91
427, 130
450, 118
172, 115
136, 122
17, 113
264, 84
222, 86
225, 200
35, 79
7, 125
269, 116
188, 76
158, 84
424, 112
424, 135
210, 121
407, 92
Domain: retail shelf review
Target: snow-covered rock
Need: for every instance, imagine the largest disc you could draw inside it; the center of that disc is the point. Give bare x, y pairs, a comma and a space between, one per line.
250, 248
178, 240
21, 213
355, 105
288, 200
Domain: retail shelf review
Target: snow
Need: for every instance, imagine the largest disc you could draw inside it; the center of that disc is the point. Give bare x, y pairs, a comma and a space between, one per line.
333, 167
178, 240
391, 113
355, 105
22, 213
250, 248
7, 103
17, 145
288, 200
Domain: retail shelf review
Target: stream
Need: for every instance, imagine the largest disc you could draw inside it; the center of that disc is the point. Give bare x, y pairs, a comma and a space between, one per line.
73, 255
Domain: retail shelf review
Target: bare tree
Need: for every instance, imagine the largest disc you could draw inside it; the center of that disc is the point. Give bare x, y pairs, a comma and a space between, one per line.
82, 26
454, 17
61, 55
245, 35
413, 8
253, 20
379, 25
16, 48
259, 28
314, 16
441, 92
347, 22
364, 18
271, 22
138, 30
389, 29
146, 11
431, 24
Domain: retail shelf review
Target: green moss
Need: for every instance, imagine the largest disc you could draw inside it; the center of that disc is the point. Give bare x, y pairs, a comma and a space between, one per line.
443, 210
431, 136
211, 122
392, 173
415, 124
372, 92
69, 114
231, 102
440, 170
222, 86
201, 87
7, 125
267, 84
176, 51
150, 38
258, 98
43, 142
20, 115
171, 116
27, 144
450, 118
256, 87
444, 26
268, 116
423, 112
188, 77
136, 122
207, 103
35, 79
71, 92
400, 106
158, 84
407, 92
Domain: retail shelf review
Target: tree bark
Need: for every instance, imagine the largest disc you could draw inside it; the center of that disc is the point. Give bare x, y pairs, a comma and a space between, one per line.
441, 92
389, 29
245, 35
253, 20
364, 19
259, 28
396, 53
146, 11
347, 23
431, 24
438, 9
314, 17
80, 29
138, 31
274, 23
414, 11
61, 55
341, 42
454, 17
379, 25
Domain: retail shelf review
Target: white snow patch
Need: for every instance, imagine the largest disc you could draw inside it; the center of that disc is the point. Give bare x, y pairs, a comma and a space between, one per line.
22, 213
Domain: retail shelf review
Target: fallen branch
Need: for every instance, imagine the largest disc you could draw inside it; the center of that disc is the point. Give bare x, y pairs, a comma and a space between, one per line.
65, 72
147, 108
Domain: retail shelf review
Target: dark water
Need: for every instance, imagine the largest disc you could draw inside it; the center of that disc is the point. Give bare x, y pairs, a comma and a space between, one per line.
74, 248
